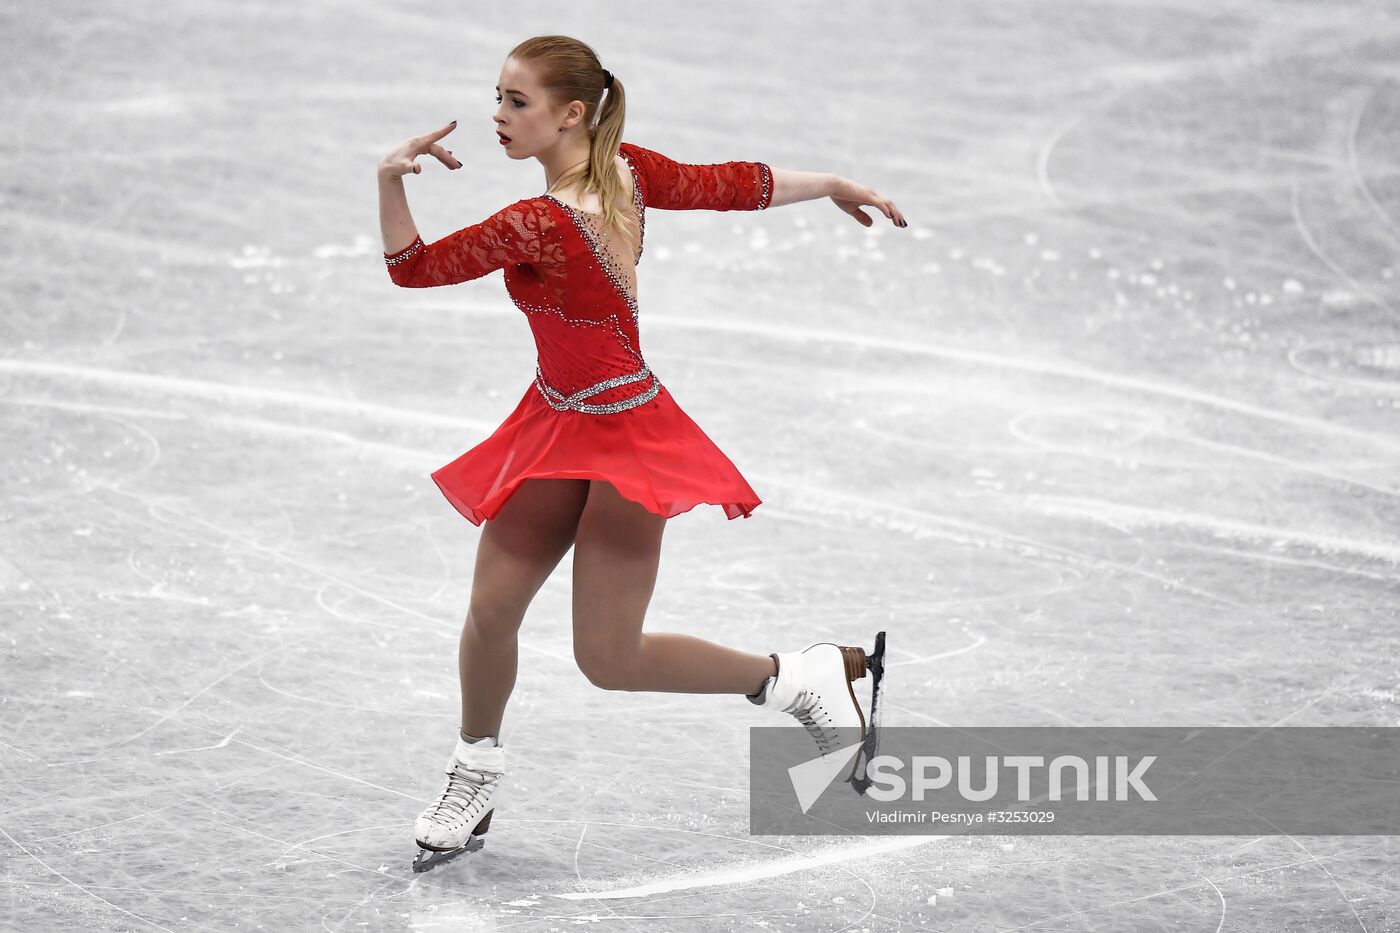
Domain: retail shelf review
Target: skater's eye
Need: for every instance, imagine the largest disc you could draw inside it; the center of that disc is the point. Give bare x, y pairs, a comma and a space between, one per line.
518, 103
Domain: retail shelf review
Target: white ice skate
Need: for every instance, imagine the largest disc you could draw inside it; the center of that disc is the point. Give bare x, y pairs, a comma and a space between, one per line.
814, 685
461, 816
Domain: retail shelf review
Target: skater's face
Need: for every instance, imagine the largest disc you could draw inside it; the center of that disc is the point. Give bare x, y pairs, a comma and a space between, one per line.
525, 114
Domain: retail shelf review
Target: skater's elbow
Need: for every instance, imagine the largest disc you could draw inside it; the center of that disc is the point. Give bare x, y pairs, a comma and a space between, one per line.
406, 278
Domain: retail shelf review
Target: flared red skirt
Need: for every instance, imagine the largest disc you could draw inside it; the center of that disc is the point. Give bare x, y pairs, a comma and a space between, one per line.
654, 454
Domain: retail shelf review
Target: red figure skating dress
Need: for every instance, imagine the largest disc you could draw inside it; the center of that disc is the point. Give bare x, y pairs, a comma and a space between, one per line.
595, 409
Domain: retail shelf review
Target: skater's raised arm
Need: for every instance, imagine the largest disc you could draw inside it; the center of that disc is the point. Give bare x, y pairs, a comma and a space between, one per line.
395, 219
508, 236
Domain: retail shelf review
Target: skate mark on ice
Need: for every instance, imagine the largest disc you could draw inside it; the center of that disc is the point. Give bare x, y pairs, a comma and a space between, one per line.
977, 640
276, 649
869, 911
436, 626
1286, 561
146, 814
1134, 516
1316, 860
244, 827
69, 881
1067, 370
1046, 148
1341, 273
223, 391
113, 414
1353, 163
1347, 355
1332, 878
222, 743
794, 334
153, 509
444, 566
445, 713
924, 524
791, 864
578, 873
1111, 453
1220, 894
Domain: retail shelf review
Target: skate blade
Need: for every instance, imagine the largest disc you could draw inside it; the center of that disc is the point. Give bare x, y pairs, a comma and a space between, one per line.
875, 662
431, 858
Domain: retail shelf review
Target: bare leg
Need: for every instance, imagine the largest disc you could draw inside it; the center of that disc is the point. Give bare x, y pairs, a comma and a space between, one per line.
519, 548
616, 555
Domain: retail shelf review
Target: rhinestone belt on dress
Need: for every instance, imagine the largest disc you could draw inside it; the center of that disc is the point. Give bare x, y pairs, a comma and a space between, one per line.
561, 402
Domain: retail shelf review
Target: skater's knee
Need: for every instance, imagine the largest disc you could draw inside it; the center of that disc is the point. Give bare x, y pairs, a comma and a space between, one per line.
605, 667
491, 622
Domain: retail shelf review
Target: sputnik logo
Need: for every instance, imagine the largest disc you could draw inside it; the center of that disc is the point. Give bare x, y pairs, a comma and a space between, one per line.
810, 779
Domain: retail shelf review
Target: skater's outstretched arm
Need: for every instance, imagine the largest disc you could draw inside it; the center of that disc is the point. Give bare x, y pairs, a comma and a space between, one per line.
728, 186
511, 235
791, 186
681, 186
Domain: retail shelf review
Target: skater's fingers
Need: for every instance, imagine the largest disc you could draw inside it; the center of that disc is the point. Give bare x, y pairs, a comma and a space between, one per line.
439, 134
422, 145
896, 215
444, 156
886, 207
884, 204
852, 198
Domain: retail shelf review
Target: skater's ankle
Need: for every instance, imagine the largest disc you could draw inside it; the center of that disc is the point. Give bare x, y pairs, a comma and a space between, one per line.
477, 739
767, 682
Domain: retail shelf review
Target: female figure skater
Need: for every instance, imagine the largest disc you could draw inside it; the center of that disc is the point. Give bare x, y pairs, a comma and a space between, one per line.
596, 455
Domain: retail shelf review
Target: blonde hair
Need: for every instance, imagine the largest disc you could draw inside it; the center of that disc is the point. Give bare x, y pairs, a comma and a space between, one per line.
569, 70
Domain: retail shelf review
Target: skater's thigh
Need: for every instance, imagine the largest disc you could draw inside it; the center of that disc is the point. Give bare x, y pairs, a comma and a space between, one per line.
522, 545
616, 559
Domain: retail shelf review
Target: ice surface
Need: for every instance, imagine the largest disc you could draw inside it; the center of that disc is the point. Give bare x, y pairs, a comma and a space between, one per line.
1110, 435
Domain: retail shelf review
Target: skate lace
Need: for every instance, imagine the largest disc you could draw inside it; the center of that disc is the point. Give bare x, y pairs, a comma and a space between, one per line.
815, 719
464, 796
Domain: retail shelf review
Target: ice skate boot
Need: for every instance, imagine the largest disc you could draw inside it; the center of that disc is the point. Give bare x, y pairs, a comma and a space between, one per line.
461, 816
815, 686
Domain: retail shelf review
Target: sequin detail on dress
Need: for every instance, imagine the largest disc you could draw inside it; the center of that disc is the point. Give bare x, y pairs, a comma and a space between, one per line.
601, 243
561, 402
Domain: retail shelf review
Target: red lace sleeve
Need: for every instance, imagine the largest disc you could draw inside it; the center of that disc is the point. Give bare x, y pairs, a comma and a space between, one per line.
513, 234
677, 186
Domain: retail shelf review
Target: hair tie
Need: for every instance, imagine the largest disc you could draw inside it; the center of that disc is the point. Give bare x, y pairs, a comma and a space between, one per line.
607, 78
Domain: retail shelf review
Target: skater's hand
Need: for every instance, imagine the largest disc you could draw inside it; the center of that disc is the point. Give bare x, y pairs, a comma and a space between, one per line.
403, 160
850, 197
